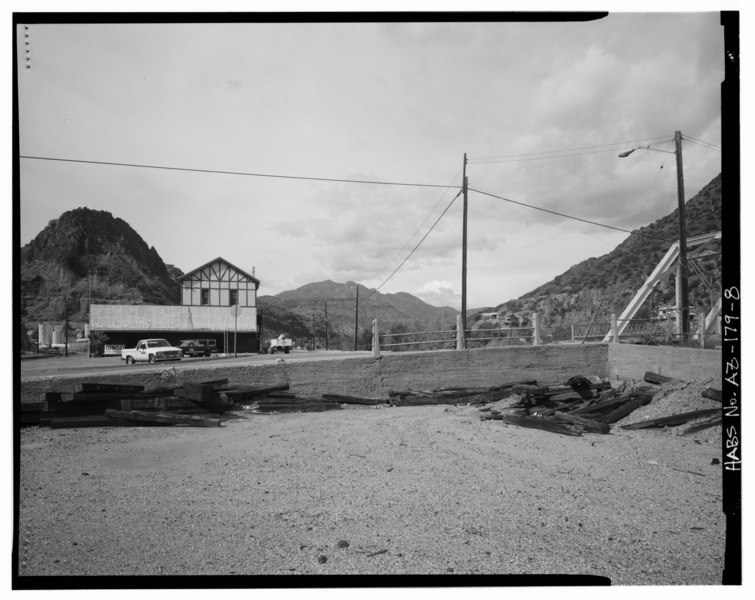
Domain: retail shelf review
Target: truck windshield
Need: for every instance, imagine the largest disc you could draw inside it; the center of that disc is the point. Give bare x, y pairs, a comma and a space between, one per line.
157, 343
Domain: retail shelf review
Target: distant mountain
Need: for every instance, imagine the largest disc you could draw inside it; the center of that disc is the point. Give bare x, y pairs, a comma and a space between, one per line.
611, 281
312, 304
89, 253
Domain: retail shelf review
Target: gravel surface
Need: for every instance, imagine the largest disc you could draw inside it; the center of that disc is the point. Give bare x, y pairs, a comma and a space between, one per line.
376, 490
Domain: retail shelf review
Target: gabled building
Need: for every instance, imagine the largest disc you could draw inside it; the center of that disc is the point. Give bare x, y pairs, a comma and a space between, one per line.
218, 301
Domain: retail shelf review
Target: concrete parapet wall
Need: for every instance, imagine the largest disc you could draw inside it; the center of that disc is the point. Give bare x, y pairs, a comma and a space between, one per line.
631, 361
368, 376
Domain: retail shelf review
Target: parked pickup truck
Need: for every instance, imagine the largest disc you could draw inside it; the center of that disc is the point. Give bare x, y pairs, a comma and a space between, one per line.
195, 347
153, 350
281, 344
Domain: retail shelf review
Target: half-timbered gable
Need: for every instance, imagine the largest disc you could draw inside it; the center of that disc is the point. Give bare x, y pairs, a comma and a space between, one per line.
218, 283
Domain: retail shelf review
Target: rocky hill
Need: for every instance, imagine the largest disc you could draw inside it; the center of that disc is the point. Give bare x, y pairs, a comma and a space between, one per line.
610, 281
89, 253
315, 303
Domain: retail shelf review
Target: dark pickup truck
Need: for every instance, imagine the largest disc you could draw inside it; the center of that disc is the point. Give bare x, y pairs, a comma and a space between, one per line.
195, 347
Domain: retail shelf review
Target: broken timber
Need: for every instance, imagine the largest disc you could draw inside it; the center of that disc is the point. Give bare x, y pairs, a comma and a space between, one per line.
655, 378
715, 421
679, 419
162, 417
539, 423
713, 394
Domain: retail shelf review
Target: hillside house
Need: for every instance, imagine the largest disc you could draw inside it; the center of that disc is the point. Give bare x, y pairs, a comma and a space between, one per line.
218, 301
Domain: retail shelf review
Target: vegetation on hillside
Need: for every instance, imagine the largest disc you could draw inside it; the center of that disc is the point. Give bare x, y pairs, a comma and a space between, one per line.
606, 284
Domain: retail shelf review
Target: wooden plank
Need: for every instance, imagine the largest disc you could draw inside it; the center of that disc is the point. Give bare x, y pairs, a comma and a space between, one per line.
713, 394
511, 384
342, 399
199, 392
603, 407
85, 388
586, 424
304, 407
240, 394
672, 420
627, 408
163, 417
539, 423
704, 425
84, 421
215, 382
562, 407
114, 395
651, 377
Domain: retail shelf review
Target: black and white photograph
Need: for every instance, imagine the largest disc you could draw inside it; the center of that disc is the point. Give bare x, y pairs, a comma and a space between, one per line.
356, 299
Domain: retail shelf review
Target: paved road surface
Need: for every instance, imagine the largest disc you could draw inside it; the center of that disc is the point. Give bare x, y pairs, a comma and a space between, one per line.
82, 365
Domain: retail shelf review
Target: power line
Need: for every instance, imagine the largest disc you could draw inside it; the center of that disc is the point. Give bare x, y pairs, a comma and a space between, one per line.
702, 143
246, 174
415, 247
420, 226
553, 212
572, 151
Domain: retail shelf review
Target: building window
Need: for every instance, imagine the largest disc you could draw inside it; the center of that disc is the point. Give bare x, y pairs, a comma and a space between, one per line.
205, 300
233, 297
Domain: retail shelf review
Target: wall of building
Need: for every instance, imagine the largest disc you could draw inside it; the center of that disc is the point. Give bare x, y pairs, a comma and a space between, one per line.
148, 317
631, 361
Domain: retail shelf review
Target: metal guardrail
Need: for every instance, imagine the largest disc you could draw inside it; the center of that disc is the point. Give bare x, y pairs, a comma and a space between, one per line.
473, 337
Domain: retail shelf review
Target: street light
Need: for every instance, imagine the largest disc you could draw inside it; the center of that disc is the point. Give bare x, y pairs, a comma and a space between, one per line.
682, 290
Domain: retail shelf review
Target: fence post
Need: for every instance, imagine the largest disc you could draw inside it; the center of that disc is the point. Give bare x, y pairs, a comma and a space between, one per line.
702, 331
375, 339
459, 333
572, 333
536, 325
615, 328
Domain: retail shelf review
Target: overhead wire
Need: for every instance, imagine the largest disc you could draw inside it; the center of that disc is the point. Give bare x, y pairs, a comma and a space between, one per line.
424, 237
707, 145
400, 251
553, 212
567, 151
243, 173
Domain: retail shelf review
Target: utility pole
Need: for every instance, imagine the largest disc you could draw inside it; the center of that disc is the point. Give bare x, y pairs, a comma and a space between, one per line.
326, 325
683, 289
464, 256
314, 339
356, 320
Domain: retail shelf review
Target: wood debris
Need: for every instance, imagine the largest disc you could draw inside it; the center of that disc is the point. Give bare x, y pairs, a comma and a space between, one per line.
655, 378
581, 406
456, 395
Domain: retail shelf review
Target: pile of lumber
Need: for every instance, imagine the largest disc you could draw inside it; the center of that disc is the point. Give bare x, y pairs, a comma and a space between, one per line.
580, 406
456, 395
103, 404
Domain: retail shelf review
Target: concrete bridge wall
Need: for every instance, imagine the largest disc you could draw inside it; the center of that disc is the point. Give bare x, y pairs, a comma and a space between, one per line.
368, 376
375, 377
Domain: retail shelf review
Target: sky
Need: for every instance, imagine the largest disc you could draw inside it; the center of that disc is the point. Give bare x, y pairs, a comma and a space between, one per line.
541, 111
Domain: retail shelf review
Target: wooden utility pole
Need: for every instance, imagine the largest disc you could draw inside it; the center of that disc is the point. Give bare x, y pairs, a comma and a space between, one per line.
356, 320
314, 339
464, 256
682, 300
326, 325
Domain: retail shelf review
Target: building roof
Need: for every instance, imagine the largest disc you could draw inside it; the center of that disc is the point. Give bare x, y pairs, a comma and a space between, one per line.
221, 259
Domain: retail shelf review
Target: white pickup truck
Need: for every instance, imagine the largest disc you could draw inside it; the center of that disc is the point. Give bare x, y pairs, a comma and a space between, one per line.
153, 350
281, 344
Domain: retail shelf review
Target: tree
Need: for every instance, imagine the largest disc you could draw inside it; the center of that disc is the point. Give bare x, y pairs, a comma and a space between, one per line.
97, 341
